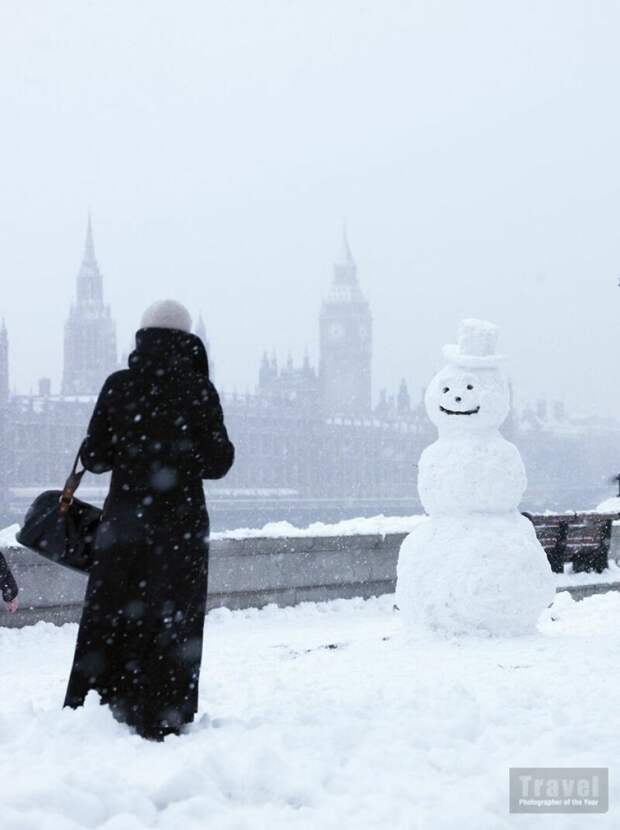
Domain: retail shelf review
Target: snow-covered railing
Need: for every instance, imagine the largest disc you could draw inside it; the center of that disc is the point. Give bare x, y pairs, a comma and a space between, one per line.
278, 564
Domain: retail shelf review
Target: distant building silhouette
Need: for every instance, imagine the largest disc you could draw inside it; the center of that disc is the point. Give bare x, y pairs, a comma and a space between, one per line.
403, 401
304, 436
303, 433
90, 333
345, 342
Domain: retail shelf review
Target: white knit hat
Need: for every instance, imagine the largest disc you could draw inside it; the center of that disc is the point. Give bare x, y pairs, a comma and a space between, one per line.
167, 314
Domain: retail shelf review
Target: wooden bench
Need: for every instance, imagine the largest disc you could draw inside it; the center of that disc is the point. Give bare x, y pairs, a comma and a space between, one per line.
579, 538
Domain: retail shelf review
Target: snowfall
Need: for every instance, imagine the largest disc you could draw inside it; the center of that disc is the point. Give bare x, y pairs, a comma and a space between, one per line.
327, 715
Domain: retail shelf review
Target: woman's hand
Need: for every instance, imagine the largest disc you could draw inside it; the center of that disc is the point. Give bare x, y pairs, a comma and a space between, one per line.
13, 605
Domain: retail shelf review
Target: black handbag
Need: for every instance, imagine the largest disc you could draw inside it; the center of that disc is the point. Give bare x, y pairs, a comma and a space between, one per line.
60, 527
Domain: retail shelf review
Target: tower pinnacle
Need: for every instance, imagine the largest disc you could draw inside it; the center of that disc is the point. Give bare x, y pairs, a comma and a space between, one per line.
346, 341
89, 247
345, 257
345, 269
89, 278
90, 337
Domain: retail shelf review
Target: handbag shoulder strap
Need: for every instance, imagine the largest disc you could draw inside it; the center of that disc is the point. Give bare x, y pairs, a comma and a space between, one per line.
71, 484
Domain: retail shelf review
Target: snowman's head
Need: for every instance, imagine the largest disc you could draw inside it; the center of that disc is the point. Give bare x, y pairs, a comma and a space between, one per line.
467, 399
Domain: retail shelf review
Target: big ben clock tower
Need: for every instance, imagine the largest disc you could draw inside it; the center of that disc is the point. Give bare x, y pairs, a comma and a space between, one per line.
346, 342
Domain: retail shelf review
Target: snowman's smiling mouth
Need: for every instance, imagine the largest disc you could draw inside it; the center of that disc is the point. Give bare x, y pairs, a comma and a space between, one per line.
460, 411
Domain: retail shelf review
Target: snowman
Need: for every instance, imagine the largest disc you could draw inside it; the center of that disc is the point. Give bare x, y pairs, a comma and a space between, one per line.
475, 566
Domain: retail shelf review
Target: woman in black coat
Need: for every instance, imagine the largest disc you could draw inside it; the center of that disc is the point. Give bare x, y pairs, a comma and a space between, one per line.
158, 426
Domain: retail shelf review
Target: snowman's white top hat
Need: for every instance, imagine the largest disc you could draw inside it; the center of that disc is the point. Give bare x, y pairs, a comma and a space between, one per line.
476, 347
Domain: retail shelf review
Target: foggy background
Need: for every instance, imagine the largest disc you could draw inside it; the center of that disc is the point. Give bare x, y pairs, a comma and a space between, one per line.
472, 148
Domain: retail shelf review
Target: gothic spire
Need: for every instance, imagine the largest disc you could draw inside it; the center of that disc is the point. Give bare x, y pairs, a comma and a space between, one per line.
345, 269
89, 279
345, 257
90, 335
404, 399
89, 257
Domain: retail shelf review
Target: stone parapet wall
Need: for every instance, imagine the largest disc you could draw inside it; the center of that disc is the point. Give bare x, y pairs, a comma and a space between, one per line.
243, 573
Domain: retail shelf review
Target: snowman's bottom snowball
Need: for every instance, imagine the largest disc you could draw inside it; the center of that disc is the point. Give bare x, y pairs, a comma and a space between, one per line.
474, 574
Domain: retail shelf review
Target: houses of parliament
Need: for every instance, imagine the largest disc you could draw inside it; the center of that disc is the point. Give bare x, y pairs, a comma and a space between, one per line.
310, 443
307, 435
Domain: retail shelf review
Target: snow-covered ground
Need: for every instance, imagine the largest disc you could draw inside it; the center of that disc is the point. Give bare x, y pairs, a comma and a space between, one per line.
321, 716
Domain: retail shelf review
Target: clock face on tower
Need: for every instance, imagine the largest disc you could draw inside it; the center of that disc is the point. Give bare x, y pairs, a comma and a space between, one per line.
336, 331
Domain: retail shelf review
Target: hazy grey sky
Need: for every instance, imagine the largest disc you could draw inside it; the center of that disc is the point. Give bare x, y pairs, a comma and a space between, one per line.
472, 146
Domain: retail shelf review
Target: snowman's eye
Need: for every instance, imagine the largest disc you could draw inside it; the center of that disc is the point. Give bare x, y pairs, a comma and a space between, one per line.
446, 389
469, 386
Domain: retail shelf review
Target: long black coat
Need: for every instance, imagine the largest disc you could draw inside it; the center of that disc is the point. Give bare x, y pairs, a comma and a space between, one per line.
158, 426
